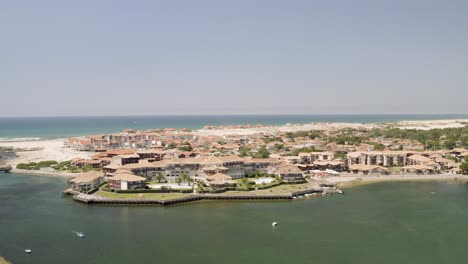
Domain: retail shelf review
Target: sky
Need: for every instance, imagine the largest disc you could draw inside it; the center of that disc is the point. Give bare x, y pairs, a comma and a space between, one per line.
87, 57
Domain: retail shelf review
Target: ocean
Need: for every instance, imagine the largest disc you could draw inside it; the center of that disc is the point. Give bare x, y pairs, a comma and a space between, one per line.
15, 129
395, 222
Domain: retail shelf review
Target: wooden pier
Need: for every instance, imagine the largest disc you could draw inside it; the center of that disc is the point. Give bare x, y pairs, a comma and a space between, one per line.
93, 199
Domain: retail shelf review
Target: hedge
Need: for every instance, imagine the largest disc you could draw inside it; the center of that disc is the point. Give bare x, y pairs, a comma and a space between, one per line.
153, 191
265, 186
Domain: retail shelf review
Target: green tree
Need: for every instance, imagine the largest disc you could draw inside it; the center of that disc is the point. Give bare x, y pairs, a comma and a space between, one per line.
340, 156
450, 144
160, 177
184, 177
379, 146
262, 153
186, 147
178, 180
171, 146
278, 147
244, 151
464, 166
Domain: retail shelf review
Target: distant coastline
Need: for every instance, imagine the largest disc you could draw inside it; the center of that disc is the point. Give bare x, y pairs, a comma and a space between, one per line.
52, 149
59, 150
43, 128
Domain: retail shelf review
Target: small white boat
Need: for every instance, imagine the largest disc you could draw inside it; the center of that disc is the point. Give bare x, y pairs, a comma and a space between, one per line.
340, 191
28, 251
79, 234
274, 224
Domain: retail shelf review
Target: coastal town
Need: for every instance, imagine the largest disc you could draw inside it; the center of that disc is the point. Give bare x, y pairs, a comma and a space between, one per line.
251, 160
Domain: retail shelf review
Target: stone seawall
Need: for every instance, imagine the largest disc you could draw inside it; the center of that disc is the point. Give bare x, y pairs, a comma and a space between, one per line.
93, 199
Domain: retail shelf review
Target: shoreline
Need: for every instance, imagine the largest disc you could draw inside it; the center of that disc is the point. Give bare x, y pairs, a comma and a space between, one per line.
53, 149
55, 174
4, 261
351, 181
41, 150
342, 182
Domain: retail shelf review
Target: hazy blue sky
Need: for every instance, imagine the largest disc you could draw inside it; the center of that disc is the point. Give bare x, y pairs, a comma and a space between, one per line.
232, 57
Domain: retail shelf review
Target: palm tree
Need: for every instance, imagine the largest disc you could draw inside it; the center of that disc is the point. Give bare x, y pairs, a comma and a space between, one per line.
184, 177
160, 177
178, 179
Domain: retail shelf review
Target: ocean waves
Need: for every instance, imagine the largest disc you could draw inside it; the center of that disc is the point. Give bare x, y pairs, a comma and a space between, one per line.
18, 139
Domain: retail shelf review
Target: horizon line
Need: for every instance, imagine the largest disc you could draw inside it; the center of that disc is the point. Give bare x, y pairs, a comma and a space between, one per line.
204, 115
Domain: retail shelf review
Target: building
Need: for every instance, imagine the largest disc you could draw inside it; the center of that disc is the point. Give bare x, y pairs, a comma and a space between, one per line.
380, 158
418, 169
366, 169
93, 163
142, 168
335, 165
125, 159
234, 164
221, 180
418, 159
290, 173
87, 181
125, 180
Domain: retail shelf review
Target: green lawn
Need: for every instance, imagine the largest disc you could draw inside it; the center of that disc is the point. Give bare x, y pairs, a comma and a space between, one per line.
154, 196
282, 189
394, 169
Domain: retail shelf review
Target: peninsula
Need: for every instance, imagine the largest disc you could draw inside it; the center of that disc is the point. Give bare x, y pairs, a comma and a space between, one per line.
246, 162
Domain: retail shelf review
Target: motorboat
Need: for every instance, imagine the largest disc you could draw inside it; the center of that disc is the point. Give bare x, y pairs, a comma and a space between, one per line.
274, 224
79, 234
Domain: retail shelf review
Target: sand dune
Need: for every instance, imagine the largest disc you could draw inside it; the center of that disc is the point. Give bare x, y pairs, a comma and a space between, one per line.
421, 125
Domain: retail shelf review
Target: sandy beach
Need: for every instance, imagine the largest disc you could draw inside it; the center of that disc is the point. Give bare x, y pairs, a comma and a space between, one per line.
329, 126
4, 261
41, 150
350, 181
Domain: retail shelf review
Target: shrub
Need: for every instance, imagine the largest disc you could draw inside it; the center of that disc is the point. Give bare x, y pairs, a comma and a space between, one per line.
154, 191
242, 189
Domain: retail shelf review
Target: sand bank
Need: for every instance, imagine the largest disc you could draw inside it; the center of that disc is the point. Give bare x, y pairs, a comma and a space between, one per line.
421, 125
349, 181
46, 172
4, 261
42, 150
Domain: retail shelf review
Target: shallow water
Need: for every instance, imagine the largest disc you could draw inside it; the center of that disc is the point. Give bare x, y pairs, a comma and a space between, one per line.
407, 222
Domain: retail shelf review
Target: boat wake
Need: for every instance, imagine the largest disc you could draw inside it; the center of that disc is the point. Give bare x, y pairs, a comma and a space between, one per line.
79, 234
20, 139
